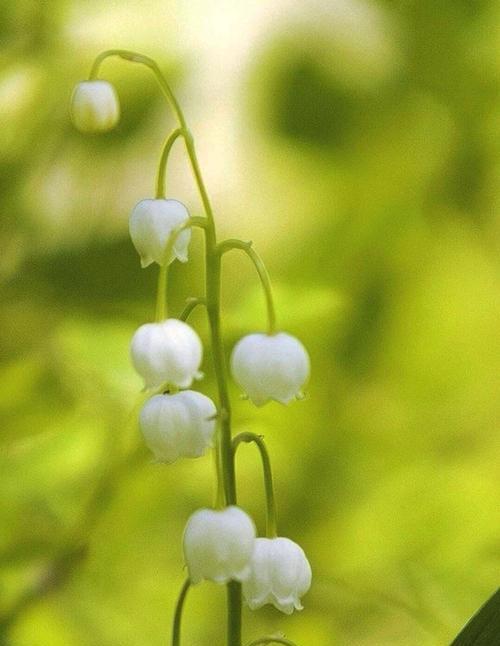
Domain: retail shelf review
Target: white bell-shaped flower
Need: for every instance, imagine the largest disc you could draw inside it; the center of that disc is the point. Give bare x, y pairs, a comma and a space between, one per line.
169, 352
151, 225
95, 106
218, 545
280, 575
270, 366
178, 425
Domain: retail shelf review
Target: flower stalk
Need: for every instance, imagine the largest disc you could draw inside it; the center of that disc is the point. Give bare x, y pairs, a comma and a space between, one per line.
162, 166
176, 630
247, 248
191, 304
271, 525
271, 640
161, 293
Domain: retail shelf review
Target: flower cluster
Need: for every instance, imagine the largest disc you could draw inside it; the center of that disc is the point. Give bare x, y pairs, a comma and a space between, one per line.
220, 544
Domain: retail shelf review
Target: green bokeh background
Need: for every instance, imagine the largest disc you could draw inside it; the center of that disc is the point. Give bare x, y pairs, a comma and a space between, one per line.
357, 144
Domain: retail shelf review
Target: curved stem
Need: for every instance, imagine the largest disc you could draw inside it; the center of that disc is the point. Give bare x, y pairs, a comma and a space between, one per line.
191, 304
162, 166
176, 630
228, 245
161, 293
272, 640
271, 527
191, 151
134, 57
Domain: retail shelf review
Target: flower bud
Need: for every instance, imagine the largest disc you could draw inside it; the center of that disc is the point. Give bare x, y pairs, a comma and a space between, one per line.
150, 226
169, 352
270, 367
218, 545
94, 106
280, 575
178, 425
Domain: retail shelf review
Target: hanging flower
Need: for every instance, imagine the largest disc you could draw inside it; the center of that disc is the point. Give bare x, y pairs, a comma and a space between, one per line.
280, 575
95, 106
151, 225
218, 545
270, 367
169, 352
178, 425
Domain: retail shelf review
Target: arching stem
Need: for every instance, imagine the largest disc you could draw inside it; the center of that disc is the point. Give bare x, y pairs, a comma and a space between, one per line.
162, 166
246, 247
161, 292
271, 525
176, 629
134, 57
272, 640
192, 304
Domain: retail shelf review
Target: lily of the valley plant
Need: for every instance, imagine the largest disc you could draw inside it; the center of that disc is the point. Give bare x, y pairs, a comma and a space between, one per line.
220, 544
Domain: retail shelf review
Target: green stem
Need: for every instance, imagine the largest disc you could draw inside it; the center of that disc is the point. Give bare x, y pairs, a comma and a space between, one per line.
162, 166
272, 640
213, 271
161, 293
176, 630
228, 245
191, 304
219, 488
134, 57
271, 526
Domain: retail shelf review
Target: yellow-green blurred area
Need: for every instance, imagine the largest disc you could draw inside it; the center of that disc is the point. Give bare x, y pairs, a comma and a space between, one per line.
357, 144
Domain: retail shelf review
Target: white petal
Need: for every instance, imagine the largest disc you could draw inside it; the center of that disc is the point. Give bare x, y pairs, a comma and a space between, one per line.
151, 224
218, 545
270, 367
168, 352
178, 425
280, 575
94, 106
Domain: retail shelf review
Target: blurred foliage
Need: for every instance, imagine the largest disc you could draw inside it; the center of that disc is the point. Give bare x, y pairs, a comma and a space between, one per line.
357, 144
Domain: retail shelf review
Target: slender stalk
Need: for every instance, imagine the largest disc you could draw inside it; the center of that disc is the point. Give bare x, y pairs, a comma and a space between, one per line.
219, 485
134, 57
162, 166
271, 527
176, 630
234, 601
212, 279
272, 640
228, 245
161, 293
191, 304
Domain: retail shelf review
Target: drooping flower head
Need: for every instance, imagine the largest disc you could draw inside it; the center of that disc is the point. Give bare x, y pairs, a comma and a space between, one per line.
95, 106
178, 425
167, 352
280, 575
270, 367
218, 545
151, 225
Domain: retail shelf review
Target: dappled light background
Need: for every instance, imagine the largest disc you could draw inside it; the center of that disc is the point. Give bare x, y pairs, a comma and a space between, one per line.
356, 142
